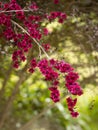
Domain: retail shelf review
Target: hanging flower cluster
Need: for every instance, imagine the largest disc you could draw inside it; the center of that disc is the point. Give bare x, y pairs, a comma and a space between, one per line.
31, 30
71, 103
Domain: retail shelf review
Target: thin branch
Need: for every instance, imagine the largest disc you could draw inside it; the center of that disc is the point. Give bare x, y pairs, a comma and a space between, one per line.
24, 30
11, 11
29, 124
39, 53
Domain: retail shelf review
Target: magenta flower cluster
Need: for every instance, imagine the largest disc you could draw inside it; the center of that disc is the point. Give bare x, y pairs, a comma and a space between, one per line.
33, 65
72, 85
56, 1
71, 104
55, 94
51, 70
17, 57
53, 15
47, 70
31, 31
46, 46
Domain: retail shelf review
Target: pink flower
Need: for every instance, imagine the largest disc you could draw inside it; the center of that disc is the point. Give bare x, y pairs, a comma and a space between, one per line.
71, 104
74, 114
33, 65
72, 77
65, 67
54, 95
16, 64
56, 1
34, 6
46, 46
74, 88
60, 20
45, 31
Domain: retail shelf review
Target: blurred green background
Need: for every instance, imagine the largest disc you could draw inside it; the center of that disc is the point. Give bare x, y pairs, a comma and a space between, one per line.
76, 42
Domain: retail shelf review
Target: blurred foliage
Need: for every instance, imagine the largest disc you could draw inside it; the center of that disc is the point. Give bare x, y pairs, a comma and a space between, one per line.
75, 42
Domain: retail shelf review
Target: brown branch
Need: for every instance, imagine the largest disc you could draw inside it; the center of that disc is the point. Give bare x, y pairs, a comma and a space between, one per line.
29, 124
22, 78
5, 81
8, 105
